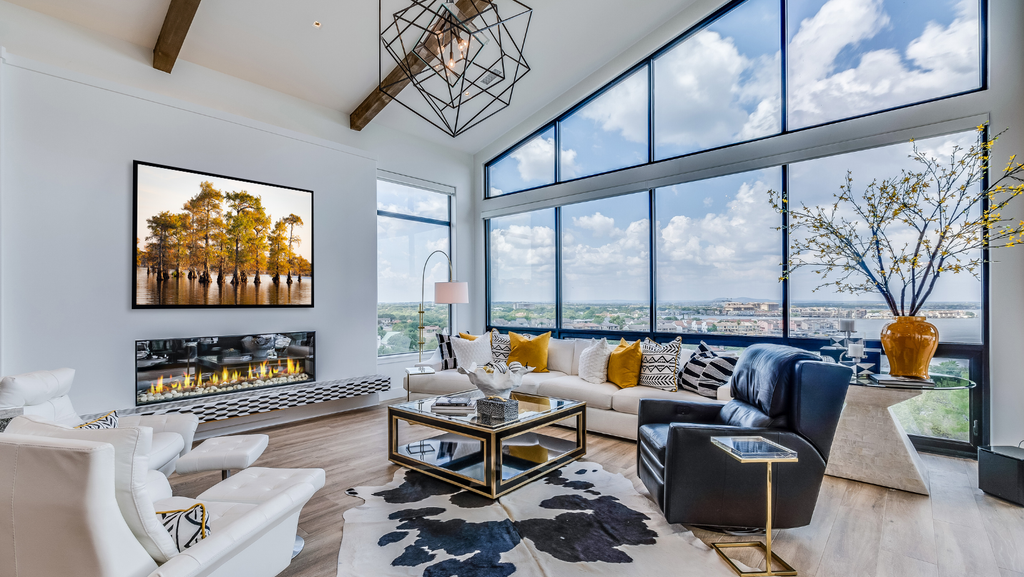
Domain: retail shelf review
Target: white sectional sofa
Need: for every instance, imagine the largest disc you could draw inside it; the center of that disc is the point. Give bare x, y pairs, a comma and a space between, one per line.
610, 410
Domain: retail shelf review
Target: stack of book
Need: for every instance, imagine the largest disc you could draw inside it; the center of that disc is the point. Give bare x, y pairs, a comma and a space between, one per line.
903, 381
454, 406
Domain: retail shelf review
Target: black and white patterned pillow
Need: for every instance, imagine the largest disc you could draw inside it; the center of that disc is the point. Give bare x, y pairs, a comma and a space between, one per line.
448, 360
108, 421
716, 374
501, 346
186, 526
658, 364
689, 375
706, 371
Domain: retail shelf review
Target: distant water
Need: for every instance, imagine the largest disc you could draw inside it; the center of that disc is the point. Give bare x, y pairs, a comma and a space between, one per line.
182, 291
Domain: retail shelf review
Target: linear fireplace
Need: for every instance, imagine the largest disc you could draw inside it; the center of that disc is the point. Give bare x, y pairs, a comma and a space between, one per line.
179, 369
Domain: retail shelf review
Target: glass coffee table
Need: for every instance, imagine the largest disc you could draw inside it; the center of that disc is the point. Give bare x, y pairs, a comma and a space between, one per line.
486, 457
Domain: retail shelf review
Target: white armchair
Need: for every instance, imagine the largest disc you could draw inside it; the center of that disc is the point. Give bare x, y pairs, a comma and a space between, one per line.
82, 502
45, 394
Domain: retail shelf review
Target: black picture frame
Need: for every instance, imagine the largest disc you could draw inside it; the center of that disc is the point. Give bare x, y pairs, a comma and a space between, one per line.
139, 237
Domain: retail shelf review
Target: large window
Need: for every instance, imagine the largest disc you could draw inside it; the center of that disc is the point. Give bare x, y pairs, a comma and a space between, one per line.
729, 79
411, 223
521, 265
721, 85
606, 264
530, 165
720, 256
848, 58
954, 306
607, 133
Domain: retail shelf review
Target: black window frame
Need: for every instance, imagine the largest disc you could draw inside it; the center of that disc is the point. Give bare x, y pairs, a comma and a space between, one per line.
784, 127
425, 220
976, 353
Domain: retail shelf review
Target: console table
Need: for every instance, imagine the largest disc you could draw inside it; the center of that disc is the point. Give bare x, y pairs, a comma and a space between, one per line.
871, 446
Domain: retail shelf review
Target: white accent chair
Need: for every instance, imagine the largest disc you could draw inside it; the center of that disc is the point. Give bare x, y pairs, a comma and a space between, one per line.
83, 502
45, 394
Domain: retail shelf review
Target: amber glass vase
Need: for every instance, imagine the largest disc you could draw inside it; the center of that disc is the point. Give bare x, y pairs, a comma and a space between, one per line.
910, 344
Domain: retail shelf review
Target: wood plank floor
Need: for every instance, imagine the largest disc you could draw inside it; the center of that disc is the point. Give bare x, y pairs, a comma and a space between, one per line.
858, 530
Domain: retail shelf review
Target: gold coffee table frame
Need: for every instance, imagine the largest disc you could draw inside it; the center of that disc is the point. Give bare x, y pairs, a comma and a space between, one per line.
766, 548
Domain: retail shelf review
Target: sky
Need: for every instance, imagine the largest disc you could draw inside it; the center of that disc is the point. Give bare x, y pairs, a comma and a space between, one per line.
722, 84
403, 246
163, 189
814, 182
717, 238
522, 252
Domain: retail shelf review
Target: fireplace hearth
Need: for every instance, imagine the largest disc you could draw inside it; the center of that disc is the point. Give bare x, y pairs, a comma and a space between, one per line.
178, 369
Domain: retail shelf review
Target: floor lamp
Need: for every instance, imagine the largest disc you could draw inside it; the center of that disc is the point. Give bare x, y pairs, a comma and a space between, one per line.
445, 293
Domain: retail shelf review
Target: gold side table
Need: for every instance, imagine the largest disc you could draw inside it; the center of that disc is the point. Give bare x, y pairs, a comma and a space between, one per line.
757, 450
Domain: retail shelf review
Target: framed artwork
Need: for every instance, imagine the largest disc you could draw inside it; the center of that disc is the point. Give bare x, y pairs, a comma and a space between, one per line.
206, 240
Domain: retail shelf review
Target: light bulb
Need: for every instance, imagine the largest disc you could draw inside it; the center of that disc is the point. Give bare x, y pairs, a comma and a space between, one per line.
451, 63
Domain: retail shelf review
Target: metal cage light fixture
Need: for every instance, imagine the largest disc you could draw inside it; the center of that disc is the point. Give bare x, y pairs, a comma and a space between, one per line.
464, 58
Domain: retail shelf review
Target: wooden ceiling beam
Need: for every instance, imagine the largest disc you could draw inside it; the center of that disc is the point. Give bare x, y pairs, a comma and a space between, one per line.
397, 78
176, 24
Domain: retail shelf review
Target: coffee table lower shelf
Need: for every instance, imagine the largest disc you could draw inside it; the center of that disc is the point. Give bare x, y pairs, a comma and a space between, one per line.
487, 462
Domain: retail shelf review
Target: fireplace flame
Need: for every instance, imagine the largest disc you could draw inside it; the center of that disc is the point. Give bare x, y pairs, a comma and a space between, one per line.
187, 383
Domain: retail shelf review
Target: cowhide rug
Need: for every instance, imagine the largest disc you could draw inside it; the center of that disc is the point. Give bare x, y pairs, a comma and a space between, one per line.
579, 520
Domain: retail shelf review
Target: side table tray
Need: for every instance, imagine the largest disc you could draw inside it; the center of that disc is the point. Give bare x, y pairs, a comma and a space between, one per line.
757, 450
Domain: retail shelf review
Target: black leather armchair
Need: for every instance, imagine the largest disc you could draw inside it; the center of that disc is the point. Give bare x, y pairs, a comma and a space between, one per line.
781, 393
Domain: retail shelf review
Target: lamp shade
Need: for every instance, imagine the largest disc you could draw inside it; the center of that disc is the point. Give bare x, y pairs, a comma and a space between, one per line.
451, 293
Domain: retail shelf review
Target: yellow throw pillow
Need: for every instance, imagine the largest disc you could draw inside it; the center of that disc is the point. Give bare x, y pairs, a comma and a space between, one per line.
467, 336
530, 352
624, 364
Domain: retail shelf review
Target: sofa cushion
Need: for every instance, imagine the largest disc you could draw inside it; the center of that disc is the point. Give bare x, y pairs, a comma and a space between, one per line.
107, 421
593, 363
575, 388
132, 446
35, 388
560, 353
471, 352
624, 364
501, 346
579, 345
658, 365
628, 400
444, 345
530, 351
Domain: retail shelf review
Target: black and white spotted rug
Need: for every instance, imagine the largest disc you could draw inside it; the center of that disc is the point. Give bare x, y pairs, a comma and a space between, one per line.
579, 520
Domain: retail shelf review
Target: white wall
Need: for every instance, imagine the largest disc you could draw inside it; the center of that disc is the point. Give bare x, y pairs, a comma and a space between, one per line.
1000, 105
76, 107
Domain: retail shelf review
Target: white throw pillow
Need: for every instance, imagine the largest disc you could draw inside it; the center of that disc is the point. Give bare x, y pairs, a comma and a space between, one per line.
594, 362
470, 352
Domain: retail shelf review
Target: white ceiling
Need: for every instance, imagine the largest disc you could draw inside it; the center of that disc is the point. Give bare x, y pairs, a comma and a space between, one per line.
273, 43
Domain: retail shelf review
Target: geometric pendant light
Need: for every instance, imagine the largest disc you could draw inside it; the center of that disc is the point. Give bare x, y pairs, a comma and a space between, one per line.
463, 59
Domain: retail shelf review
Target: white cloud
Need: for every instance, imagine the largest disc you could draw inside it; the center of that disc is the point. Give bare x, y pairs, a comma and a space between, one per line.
536, 160
704, 88
523, 263
622, 109
569, 167
733, 253
599, 224
945, 60
615, 270
708, 201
